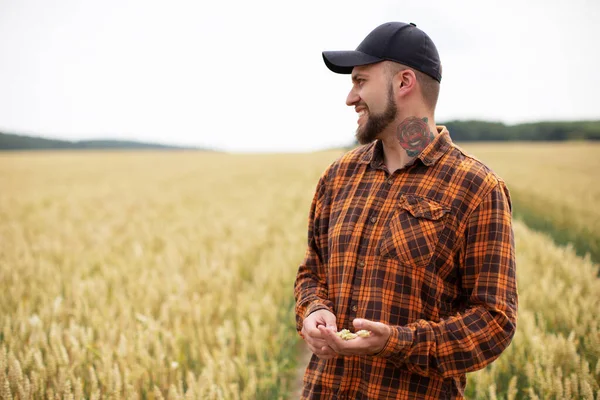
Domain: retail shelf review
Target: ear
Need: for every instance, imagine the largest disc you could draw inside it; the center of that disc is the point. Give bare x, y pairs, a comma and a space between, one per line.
404, 82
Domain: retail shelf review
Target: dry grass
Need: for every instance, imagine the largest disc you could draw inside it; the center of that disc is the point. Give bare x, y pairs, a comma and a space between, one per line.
556, 351
144, 275
555, 187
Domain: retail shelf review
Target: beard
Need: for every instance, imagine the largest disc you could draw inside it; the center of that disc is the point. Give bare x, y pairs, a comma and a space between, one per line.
376, 123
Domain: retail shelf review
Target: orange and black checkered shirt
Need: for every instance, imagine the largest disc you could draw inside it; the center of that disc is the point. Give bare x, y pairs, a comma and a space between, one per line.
428, 250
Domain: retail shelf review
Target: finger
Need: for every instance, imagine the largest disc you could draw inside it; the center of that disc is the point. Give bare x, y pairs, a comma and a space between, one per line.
330, 321
376, 327
314, 334
310, 328
331, 338
318, 343
351, 347
324, 352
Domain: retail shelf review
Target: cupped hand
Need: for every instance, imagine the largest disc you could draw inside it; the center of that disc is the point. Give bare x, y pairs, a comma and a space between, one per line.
370, 345
313, 336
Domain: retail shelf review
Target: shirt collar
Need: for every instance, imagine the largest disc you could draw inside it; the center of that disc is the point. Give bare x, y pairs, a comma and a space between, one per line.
429, 156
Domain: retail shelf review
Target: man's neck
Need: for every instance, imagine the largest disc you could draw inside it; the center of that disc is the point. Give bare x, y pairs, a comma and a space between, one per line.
406, 140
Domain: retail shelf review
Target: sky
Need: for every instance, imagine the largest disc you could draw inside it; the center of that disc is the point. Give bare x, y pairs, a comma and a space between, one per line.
248, 76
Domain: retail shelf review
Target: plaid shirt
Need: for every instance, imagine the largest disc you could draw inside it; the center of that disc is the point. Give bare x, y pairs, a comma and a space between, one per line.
428, 250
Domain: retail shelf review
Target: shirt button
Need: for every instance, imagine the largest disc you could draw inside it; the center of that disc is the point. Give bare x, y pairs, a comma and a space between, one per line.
390, 181
361, 264
354, 308
373, 220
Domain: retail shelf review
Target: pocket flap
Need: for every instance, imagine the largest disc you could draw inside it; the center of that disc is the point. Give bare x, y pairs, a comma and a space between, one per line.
422, 208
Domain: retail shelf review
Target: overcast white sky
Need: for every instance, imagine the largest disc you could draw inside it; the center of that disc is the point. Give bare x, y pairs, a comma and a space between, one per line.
249, 76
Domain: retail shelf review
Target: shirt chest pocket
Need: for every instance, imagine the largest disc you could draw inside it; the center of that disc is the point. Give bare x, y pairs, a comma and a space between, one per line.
412, 232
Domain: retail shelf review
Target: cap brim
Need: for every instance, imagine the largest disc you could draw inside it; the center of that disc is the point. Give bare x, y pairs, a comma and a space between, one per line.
342, 62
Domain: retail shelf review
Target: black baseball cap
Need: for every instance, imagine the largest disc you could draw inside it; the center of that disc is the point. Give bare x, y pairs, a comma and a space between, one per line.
393, 41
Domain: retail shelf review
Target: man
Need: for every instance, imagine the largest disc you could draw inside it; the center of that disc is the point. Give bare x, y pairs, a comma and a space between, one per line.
409, 238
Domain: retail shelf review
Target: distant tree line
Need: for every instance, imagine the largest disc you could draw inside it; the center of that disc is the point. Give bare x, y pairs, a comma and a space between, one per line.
473, 130
21, 142
537, 131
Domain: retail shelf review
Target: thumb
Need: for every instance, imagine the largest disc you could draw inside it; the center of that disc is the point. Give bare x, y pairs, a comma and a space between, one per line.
330, 321
375, 327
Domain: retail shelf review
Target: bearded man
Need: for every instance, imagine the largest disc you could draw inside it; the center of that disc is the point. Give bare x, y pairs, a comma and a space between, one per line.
410, 238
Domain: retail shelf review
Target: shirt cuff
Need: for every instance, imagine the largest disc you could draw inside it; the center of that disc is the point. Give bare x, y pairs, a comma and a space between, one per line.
398, 344
316, 306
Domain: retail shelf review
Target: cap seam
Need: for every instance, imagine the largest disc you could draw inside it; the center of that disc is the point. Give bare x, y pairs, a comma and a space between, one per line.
389, 39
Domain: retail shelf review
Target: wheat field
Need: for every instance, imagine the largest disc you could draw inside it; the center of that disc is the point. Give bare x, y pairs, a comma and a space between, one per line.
554, 187
149, 275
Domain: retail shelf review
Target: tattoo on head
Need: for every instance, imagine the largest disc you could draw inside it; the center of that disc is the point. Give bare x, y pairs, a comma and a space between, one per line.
414, 135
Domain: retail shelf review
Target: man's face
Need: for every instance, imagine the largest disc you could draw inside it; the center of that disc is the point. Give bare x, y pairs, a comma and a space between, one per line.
372, 96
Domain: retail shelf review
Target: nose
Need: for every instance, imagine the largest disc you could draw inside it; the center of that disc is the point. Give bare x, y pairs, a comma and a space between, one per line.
352, 98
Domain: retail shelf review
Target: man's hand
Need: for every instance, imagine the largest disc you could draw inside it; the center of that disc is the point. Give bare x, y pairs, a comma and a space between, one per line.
312, 335
370, 345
